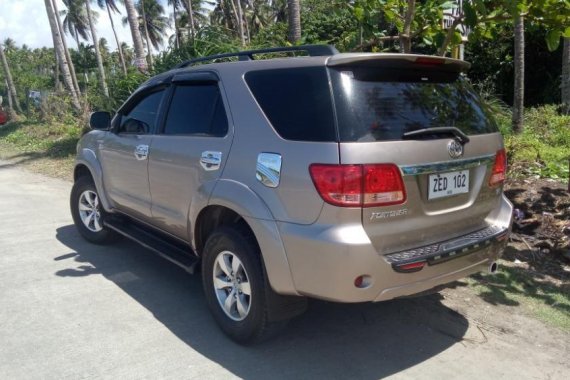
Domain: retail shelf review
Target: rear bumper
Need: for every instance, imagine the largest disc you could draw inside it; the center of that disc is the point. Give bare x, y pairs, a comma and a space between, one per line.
326, 259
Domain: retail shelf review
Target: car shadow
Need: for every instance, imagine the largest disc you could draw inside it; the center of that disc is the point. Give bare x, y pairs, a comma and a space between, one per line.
329, 341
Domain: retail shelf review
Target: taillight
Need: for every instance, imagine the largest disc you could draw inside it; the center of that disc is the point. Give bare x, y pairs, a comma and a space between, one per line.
499, 172
383, 185
359, 185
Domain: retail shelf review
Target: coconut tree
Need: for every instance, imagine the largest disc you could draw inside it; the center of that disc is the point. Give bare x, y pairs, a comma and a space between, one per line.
65, 49
100, 68
75, 21
294, 19
152, 23
191, 19
64, 63
111, 5
518, 100
133, 21
565, 85
9, 82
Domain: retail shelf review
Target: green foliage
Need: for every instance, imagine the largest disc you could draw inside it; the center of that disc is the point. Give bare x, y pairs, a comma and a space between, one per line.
120, 88
543, 148
208, 41
329, 22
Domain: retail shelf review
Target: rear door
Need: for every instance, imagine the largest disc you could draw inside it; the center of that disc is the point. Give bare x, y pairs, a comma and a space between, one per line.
424, 118
189, 152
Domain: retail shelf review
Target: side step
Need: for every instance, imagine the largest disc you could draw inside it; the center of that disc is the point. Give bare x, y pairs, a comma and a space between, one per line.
175, 252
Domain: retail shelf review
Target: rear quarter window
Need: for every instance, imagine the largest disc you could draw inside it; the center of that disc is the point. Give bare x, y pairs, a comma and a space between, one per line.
297, 102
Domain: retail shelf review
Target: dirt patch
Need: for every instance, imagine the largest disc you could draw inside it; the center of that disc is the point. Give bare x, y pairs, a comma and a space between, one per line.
541, 229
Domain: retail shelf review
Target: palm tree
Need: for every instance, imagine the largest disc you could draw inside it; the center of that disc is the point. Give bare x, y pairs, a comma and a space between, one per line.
240, 22
9, 82
152, 23
111, 5
294, 19
64, 64
518, 100
565, 85
101, 69
75, 20
133, 21
10, 45
174, 4
65, 49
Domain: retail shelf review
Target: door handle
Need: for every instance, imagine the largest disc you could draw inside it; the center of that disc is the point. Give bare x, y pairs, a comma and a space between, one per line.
141, 152
211, 160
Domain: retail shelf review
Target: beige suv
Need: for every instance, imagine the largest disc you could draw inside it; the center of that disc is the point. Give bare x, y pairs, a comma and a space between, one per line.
344, 177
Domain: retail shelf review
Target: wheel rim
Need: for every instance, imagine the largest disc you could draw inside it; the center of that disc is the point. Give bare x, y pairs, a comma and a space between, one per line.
89, 211
232, 286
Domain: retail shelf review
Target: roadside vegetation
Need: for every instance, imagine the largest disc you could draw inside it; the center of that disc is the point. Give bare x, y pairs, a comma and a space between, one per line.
49, 93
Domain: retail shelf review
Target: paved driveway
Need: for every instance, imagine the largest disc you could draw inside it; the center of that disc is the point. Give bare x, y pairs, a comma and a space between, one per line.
69, 309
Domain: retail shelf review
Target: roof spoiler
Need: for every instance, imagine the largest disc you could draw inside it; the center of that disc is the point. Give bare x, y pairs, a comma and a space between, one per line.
398, 60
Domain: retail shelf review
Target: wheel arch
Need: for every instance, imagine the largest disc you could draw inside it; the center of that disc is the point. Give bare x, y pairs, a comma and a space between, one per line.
88, 164
254, 214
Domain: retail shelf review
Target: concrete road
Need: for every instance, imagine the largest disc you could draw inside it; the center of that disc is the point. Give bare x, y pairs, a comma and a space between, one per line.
71, 310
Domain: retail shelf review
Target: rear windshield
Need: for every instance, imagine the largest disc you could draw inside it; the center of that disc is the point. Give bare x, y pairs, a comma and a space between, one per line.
383, 104
297, 102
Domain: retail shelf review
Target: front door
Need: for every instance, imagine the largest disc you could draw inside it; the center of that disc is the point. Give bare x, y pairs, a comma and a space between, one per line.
124, 156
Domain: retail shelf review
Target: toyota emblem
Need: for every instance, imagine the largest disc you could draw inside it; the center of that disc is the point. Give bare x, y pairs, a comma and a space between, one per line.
455, 149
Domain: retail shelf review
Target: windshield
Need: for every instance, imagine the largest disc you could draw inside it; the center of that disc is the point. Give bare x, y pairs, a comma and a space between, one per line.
382, 104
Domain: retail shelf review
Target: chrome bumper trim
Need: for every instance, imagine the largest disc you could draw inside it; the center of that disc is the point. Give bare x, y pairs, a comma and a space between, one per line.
445, 166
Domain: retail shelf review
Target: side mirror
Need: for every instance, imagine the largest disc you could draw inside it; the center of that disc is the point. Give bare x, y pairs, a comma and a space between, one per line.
100, 120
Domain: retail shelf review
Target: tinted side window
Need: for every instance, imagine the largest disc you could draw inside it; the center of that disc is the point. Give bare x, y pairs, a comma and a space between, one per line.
197, 110
297, 102
142, 118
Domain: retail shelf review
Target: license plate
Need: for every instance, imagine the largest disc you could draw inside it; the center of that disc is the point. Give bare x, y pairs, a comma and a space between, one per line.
447, 184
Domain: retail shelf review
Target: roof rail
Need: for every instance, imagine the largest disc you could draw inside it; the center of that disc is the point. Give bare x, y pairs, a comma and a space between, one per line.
247, 55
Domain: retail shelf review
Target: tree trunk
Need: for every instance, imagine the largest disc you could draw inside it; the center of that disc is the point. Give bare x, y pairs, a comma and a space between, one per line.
191, 20
239, 19
65, 49
406, 35
119, 49
294, 20
100, 68
176, 40
565, 85
9, 81
64, 65
246, 25
518, 99
148, 45
11, 113
136, 34
442, 51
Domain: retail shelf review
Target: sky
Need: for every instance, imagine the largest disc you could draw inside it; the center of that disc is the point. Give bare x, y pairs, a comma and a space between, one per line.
26, 22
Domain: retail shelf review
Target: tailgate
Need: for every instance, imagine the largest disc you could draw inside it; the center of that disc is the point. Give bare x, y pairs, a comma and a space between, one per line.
428, 121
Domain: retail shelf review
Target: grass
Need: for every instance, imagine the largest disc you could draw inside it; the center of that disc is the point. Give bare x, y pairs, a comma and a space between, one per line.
47, 148
533, 292
543, 149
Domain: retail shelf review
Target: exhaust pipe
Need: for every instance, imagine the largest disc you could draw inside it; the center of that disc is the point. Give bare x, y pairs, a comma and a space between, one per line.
493, 267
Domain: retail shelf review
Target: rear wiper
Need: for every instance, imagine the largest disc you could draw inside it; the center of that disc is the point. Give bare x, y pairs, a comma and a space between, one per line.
460, 136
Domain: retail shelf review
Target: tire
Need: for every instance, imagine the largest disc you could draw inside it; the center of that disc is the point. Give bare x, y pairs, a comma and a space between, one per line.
253, 326
93, 230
